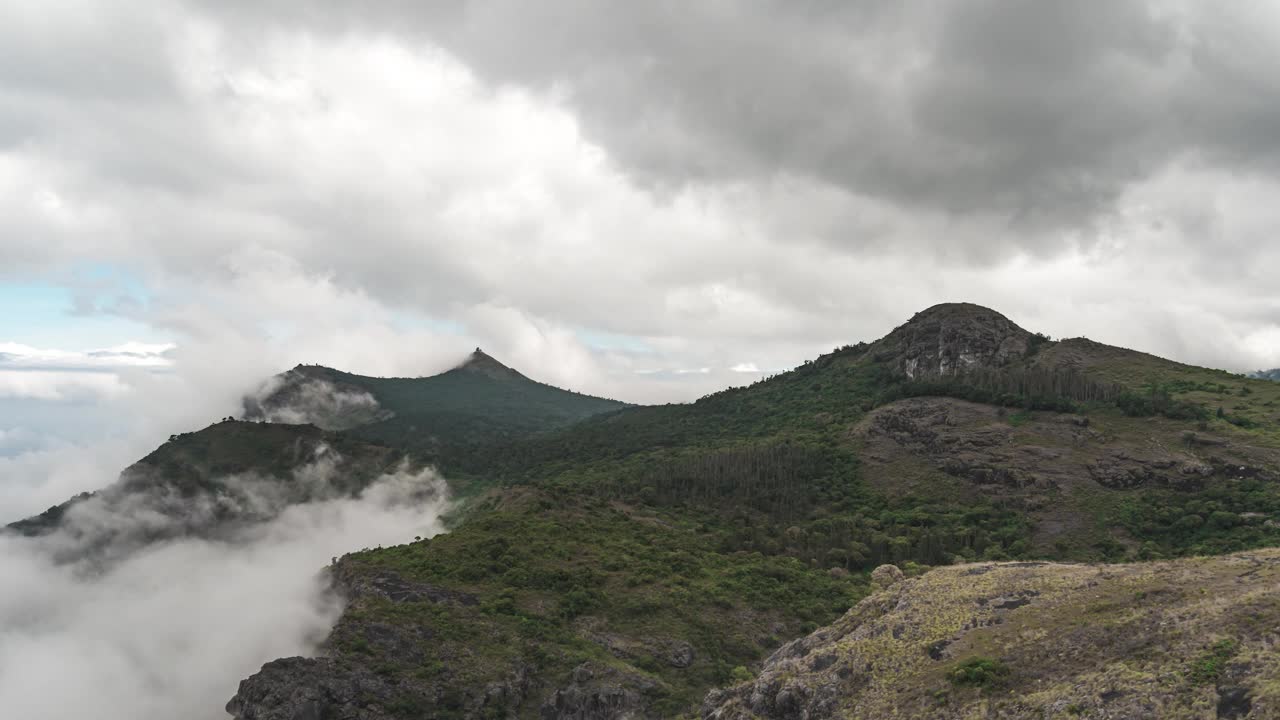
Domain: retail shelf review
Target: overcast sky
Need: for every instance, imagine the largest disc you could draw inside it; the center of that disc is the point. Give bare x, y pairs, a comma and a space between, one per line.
646, 200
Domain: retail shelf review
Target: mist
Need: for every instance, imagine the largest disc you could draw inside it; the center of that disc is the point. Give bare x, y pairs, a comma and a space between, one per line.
167, 630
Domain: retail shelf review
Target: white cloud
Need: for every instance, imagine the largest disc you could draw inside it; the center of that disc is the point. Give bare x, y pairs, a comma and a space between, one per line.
693, 371
368, 200
169, 631
53, 385
128, 354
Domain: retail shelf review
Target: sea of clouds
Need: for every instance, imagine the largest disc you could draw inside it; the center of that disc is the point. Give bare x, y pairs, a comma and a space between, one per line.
167, 630
132, 609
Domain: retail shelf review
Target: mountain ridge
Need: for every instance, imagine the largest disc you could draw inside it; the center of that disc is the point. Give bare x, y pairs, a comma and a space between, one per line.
615, 561
626, 564
478, 401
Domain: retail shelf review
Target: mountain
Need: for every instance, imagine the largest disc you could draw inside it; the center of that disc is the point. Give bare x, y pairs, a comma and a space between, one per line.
350, 429
626, 564
212, 482
479, 401
1267, 374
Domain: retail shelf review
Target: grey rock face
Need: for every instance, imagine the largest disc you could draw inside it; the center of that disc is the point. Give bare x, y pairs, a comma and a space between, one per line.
299, 688
598, 693
327, 689
950, 338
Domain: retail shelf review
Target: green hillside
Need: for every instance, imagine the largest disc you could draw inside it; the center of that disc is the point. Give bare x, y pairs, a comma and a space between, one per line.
641, 557
477, 402
246, 471
633, 558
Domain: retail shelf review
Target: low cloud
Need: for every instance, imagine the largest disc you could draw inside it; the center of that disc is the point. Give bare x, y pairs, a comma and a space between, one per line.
295, 399
53, 385
167, 630
130, 354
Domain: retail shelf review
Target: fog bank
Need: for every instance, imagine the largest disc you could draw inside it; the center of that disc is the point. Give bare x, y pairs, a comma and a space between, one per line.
169, 630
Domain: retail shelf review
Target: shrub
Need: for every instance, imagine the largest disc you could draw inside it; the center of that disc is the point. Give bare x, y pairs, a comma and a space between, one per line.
1208, 667
978, 672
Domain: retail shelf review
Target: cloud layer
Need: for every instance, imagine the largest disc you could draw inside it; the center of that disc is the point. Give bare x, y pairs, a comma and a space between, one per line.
168, 630
608, 194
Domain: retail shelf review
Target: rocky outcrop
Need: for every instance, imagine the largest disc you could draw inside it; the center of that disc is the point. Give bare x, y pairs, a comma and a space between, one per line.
1182, 639
886, 576
324, 688
673, 651
299, 688
599, 692
1042, 460
390, 586
948, 339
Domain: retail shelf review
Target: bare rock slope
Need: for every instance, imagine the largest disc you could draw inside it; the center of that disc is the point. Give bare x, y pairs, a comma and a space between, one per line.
1190, 638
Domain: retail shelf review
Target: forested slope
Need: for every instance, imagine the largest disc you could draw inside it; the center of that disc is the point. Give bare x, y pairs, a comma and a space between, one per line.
630, 562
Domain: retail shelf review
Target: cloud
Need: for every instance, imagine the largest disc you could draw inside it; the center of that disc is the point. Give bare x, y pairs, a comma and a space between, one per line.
47, 385
384, 188
62, 375
960, 107
165, 631
296, 399
129, 354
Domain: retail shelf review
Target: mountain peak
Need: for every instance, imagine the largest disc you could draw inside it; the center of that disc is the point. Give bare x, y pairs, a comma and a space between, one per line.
947, 338
481, 362
959, 312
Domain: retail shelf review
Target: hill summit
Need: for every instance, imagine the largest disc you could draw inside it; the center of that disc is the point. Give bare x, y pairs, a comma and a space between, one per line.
481, 362
950, 338
479, 400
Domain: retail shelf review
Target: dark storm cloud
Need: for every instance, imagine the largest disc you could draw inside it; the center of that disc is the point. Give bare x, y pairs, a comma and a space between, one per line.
724, 183
1037, 113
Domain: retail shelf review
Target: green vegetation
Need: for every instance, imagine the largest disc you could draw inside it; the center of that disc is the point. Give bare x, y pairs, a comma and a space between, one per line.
477, 403
200, 460
1158, 400
1227, 516
978, 672
747, 518
1209, 667
618, 537
544, 566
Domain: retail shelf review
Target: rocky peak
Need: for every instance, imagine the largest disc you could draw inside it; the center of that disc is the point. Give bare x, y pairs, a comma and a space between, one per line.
948, 338
482, 363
